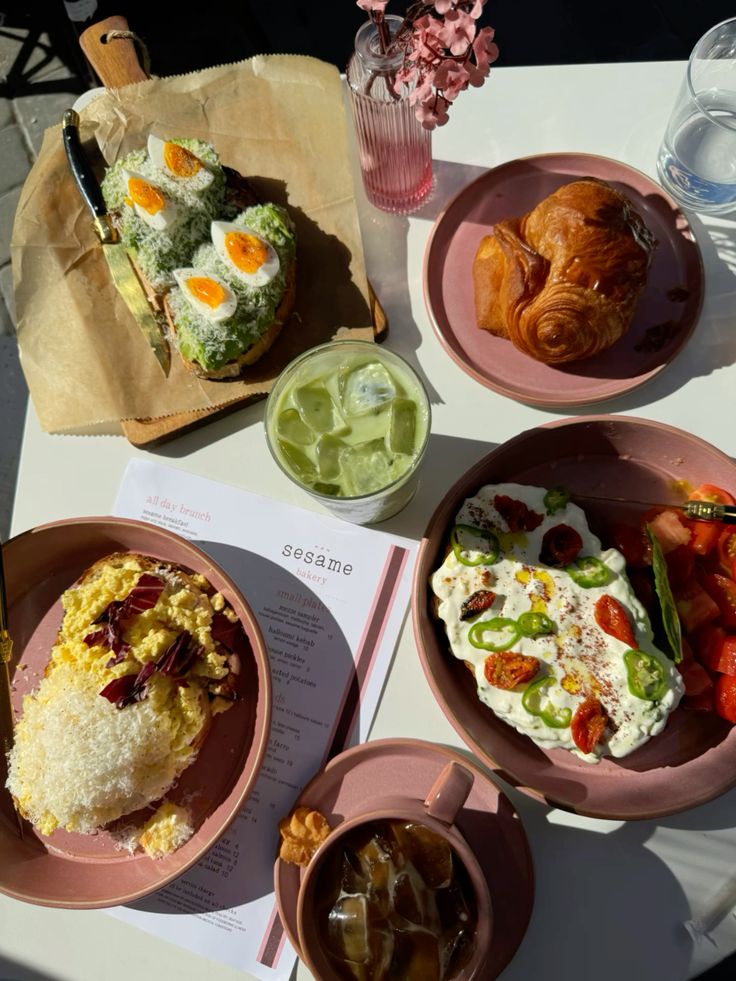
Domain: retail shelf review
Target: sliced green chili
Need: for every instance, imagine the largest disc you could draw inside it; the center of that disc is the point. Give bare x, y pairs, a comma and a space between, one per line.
488, 538
536, 701
645, 675
587, 571
532, 624
556, 499
498, 634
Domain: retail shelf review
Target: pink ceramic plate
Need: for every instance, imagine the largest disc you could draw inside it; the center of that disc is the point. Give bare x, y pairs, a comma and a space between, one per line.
85, 871
488, 822
665, 317
694, 759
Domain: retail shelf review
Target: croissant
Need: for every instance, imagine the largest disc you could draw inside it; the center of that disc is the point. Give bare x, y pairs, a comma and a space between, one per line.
562, 282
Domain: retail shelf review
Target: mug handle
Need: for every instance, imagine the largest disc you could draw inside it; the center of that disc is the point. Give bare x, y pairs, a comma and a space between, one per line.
449, 792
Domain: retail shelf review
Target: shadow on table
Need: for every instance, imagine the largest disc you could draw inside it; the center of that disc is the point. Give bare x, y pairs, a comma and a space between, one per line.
618, 876
13, 971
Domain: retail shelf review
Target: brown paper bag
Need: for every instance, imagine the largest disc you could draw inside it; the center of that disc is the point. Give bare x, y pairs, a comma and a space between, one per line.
279, 120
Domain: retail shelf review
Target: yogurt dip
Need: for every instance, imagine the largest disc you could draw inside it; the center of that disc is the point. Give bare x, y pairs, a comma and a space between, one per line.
580, 661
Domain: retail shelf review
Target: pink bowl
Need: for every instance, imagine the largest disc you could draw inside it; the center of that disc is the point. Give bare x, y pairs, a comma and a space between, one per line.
87, 871
694, 759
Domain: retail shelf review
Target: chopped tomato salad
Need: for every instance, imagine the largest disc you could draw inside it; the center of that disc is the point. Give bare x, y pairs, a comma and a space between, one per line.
701, 569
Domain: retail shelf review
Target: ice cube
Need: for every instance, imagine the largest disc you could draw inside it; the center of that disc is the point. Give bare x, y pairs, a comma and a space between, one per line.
290, 425
431, 855
406, 897
366, 388
317, 408
367, 467
329, 490
402, 426
328, 456
347, 929
298, 461
416, 957
352, 879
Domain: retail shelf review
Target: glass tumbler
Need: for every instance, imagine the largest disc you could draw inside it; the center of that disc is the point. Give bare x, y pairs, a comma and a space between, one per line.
697, 159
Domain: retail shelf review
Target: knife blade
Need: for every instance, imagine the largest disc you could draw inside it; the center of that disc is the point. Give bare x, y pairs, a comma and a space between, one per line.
7, 722
695, 510
123, 274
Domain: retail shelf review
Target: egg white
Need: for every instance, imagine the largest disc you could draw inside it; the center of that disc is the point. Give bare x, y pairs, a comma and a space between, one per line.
261, 276
167, 217
214, 314
197, 182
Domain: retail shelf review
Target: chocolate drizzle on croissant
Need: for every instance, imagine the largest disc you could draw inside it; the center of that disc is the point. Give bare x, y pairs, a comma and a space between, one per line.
562, 282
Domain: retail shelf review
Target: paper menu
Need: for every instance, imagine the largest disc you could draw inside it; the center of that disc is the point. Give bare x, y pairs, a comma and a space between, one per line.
330, 599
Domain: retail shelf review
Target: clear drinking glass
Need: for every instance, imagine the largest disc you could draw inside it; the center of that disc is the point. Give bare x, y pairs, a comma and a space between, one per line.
697, 159
349, 422
394, 149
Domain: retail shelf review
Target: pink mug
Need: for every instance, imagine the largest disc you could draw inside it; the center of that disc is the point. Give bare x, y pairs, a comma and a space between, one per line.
437, 813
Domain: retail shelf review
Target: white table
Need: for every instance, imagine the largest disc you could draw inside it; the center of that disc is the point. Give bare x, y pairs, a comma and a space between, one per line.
610, 897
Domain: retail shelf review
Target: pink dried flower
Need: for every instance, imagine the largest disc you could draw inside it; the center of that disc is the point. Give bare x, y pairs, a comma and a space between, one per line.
443, 54
372, 6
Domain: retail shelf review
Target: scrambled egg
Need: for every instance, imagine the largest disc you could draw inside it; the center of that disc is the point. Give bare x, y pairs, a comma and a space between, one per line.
79, 760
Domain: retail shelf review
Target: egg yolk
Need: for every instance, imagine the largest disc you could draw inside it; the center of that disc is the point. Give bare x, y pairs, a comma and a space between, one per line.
206, 290
181, 161
146, 196
246, 251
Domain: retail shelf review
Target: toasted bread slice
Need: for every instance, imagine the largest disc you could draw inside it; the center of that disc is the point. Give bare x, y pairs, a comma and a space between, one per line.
234, 368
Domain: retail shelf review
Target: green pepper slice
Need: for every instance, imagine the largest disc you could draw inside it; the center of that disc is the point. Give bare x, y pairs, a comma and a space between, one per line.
504, 631
532, 624
587, 571
556, 499
536, 702
645, 675
469, 531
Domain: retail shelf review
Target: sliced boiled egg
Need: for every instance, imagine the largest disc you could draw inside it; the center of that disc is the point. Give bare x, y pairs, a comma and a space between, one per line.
149, 201
178, 162
207, 294
245, 253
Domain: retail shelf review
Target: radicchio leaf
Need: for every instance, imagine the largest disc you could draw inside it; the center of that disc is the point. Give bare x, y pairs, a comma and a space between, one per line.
117, 615
130, 687
179, 656
230, 635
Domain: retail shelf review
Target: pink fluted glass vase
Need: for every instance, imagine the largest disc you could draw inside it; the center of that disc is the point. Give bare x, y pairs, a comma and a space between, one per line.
394, 149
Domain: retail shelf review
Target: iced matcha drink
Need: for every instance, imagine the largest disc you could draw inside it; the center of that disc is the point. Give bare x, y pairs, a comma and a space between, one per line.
350, 421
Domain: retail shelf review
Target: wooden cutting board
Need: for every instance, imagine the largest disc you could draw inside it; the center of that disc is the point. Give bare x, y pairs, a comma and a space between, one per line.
116, 62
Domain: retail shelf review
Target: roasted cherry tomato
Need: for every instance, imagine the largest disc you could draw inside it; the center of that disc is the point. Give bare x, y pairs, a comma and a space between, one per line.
705, 533
506, 669
516, 514
695, 607
560, 545
725, 699
478, 602
588, 724
613, 619
727, 551
722, 590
